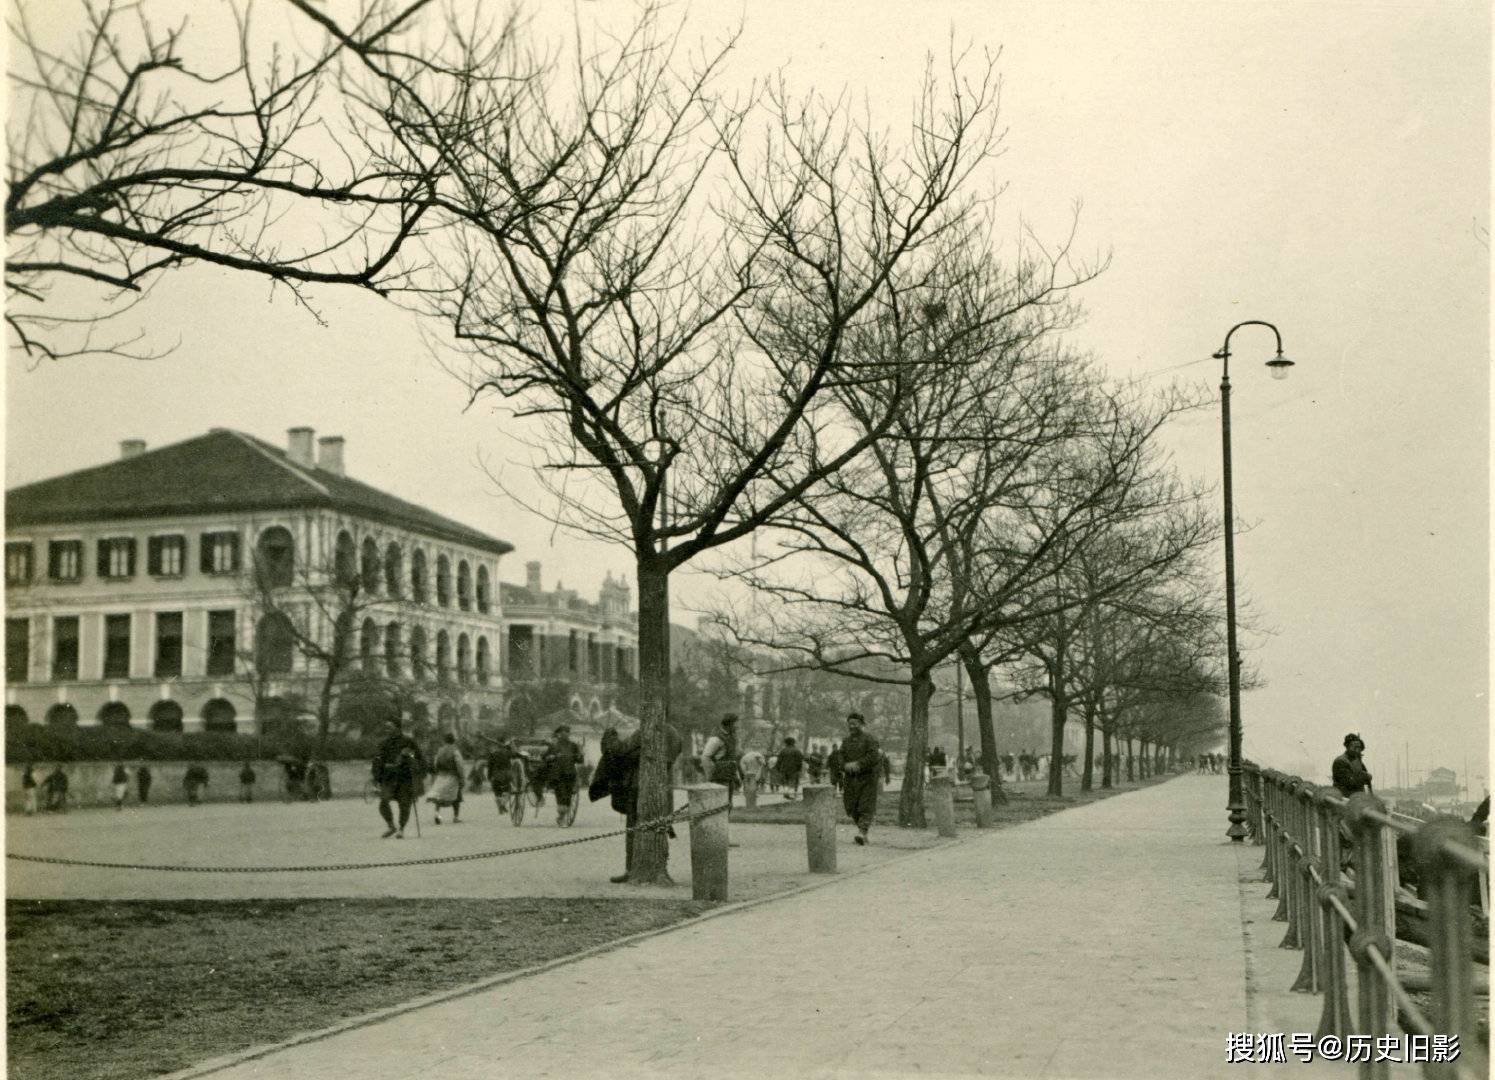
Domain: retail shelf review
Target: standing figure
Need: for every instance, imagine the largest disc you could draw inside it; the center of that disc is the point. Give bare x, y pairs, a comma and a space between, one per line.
861, 763
143, 782
887, 768
788, 766
120, 782
558, 768
1349, 771
833, 764
815, 763
28, 789
750, 766
719, 756
194, 780
55, 787
500, 766
246, 783
446, 789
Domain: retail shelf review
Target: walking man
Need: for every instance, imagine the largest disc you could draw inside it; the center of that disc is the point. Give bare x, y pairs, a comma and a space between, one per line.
143, 782
500, 765
861, 766
788, 767
246, 783
558, 767
194, 780
446, 790
56, 789
396, 765
121, 784
28, 789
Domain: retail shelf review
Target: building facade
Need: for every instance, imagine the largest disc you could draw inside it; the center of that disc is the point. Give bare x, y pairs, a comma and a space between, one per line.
556, 636
201, 586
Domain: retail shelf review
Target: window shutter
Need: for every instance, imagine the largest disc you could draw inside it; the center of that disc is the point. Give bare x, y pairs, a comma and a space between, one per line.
102, 548
206, 552
130, 558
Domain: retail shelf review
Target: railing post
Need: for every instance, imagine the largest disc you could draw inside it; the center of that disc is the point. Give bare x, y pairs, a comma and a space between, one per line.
1375, 911
1307, 981
981, 799
942, 795
1448, 888
1335, 1019
1270, 829
708, 842
1282, 881
1292, 877
820, 827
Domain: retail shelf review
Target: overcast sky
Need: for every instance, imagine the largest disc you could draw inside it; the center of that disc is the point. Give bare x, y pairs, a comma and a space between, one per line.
1321, 166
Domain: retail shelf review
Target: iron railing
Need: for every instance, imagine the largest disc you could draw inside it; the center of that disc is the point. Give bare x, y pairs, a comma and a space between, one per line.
1332, 864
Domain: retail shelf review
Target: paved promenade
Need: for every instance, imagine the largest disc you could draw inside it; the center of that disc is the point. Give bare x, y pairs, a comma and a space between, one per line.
1105, 941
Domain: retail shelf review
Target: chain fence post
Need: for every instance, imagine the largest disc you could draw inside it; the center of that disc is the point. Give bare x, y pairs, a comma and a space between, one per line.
820, 827
942, 794
708, 841
981, 799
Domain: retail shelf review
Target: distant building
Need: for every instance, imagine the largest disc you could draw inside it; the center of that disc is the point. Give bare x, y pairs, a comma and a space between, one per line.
132, 596
1440, 784
555, 635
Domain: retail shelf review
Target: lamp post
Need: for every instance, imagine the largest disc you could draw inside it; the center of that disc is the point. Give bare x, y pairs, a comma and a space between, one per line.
1278, 366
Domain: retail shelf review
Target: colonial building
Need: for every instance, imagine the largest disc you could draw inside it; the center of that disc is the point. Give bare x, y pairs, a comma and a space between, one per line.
200, 586
556, 635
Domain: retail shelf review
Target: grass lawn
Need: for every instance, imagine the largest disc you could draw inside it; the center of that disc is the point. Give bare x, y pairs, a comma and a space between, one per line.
123, 989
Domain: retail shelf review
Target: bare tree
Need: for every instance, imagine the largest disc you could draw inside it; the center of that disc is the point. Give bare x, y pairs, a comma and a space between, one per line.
132, 151
662, 283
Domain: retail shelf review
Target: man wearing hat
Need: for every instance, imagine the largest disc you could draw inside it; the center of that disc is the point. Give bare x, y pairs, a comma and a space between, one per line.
719, 756
861, 761
1349, 772
558, 768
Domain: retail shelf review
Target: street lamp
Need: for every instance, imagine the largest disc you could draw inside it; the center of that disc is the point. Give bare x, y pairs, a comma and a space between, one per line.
1278, 367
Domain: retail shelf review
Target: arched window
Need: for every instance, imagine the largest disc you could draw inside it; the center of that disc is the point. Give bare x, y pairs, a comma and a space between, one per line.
275, 558
274, 644
62, 715
483, 601
115, 714
368, 645
15, 717
464, 586
393, 568
344, 559
443, 656
392, 650
220, 715
166, 716
418, 584
371, 566
485, 662
417, 654
443, 581
464, 659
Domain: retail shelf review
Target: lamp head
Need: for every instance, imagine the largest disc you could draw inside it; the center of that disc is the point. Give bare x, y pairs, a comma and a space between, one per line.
1279, 366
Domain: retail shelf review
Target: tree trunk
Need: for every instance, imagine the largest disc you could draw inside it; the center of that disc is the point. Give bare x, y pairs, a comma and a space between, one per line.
976, 671
651, 849
1057, 719
1087, 772
1107, 759
1144, 766
1131, 771
911, 798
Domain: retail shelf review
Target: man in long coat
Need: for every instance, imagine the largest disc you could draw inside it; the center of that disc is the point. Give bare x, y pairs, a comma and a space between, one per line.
861, 765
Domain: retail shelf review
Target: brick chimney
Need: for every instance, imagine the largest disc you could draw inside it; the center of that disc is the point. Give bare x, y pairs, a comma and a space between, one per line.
532, 576
299, 445
330, 454
129, 448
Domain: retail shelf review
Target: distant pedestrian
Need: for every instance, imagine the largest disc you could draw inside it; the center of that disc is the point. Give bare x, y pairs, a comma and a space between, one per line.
887, 768
318, 781
788, 766
861, 762
750, 766
719, 756
834, 763
121, 785
396, 765
1349, 772
143, 782
446, 788
815, 764
194, 780
28, 790
55, 788
246, 783
500, 774
560, 765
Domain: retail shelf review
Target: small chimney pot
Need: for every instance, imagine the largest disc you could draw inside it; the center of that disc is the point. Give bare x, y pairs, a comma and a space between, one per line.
330, 454
129, 448
299, 445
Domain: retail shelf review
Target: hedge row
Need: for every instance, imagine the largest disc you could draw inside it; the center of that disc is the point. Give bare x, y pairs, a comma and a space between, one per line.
38, 742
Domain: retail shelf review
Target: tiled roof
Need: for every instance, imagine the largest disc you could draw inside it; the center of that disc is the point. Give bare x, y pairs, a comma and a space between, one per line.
222, 471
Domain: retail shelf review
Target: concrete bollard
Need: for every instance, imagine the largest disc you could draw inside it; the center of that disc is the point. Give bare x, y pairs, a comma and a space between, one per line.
708, 842
942, 792
750, 793
820, 827
981, 796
